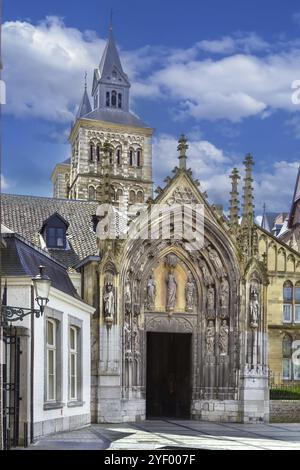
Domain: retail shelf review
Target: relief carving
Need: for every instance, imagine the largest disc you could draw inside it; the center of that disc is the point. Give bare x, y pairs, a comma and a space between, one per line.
109, 303
210, 303
214, 257
223, 338
254, 306
171, 291
224, 298
151, 292
190, 290
210, 338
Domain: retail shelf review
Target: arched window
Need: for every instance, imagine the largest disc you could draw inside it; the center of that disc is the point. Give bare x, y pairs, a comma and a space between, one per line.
98, 193
287, 302
92, 193
111, 156
287, 357
119, 100
119, 194
131, 157
139, 157
92, 151
108, 99
98, 152
140, 196
114, 99
118, 155
132, 197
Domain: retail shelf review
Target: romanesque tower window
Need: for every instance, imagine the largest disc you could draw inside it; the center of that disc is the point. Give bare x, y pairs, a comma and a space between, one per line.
114, 99
120, 100
108, 99
92, 193
118, 155
98, 153
140, 196
92, 151
132, 197
119, 194
131, 157
98, 193
139, 158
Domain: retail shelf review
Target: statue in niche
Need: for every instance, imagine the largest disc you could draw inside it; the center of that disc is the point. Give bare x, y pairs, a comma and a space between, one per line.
171, 291
127, 334
214, 257
223, 338
190, 293
151, 291
109, 302
127, 296
210, 338
210, 303
224, 297
206, 274
136, 340
254, 307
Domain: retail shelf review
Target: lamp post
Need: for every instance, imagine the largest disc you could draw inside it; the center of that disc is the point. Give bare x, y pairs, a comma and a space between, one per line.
42, 284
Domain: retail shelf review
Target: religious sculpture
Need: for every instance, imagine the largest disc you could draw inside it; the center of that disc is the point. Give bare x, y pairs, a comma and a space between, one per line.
214, 257
109, 303
151, 292
206, 274
190, 293
254, 307
210, 303
127, 296
171, 291
210, 338
224, 298
127, 335
223, 338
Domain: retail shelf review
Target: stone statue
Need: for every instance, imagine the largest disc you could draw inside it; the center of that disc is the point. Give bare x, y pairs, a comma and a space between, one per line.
210, 338
136, 340
151, 291
223, 338
171, 291
224, 298
190, 293
127, 296
127, 335
254, 307
210, 303
214, 257
109, 302
206, 274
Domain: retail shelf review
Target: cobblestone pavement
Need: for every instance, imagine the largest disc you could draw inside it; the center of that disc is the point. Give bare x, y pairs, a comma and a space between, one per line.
162, 434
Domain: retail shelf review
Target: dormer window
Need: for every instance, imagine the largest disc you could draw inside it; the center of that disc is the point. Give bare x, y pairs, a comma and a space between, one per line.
54, 232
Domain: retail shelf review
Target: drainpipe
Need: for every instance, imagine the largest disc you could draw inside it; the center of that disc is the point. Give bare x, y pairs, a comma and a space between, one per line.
32, 370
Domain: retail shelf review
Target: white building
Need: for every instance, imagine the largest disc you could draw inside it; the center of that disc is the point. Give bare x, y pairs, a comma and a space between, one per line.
53, 388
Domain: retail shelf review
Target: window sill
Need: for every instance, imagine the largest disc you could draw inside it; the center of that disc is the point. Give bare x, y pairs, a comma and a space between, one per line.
56, 405
75, 404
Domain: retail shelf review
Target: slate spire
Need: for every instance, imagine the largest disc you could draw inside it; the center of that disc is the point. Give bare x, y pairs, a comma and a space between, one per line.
85, 105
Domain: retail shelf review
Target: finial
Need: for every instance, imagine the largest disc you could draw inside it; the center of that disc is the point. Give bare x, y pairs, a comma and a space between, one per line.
182, 148
111, 20
85, 80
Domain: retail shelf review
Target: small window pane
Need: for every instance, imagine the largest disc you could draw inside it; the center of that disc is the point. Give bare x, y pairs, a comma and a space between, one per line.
297, 295
287, 313
297, 313
72, 339
286, 365
288, 293
60, 237
50, 333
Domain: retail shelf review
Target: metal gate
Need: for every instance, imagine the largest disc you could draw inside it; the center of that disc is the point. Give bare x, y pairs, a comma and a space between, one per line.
11, 387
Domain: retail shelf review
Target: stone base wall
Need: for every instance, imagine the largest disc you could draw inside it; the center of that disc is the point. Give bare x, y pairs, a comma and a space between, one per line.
67, 423
285, 411
227, 411
122, 411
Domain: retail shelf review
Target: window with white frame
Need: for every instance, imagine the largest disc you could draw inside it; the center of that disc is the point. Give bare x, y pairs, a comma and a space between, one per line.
287, 302
51, 360
73, 363
290, 367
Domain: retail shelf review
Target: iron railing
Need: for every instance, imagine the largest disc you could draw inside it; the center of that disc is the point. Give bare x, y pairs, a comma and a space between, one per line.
283, 389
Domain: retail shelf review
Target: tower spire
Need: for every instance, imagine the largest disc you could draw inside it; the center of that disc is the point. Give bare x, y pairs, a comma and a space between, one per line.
182, 148
234, 201
265, 222
85, 105
248, 206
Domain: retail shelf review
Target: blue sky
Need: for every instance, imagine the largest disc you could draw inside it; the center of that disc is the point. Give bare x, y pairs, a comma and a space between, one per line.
218, 70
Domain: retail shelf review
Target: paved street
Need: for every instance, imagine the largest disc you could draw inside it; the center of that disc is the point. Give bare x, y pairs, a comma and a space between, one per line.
162, 434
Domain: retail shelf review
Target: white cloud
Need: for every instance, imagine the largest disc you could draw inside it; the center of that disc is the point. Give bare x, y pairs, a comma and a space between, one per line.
212, 166
45, 64
5, 184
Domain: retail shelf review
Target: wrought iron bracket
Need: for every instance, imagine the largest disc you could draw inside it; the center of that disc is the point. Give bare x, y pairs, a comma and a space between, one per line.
14, 314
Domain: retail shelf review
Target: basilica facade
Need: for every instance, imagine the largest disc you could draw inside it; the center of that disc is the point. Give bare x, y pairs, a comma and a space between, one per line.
178, 331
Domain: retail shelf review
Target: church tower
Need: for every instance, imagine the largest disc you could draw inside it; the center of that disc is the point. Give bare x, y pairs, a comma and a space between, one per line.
106, 131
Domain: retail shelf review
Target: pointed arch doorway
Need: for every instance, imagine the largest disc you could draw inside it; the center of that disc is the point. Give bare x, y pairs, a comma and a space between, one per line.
168, 376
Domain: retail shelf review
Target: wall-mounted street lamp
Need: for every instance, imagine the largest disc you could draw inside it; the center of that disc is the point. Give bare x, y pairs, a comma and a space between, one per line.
41, 284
